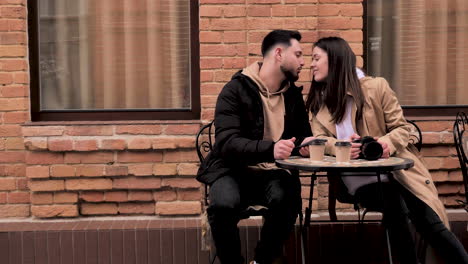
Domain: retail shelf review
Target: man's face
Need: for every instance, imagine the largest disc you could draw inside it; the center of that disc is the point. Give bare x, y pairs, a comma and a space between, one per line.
293, 61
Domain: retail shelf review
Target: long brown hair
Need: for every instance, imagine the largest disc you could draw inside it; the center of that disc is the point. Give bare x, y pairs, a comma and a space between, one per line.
342, 78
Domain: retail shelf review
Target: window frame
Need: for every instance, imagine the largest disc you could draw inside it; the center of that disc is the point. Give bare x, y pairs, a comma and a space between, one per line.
431, 112
37, 114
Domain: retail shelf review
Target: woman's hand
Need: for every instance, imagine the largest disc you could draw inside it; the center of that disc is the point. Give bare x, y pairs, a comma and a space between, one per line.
304, 151
355, 147
386, 149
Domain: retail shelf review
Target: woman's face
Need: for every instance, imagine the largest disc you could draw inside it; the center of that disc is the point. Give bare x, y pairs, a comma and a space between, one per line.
319, 64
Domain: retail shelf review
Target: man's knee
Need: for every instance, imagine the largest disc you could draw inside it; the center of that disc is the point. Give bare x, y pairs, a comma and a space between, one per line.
224, 195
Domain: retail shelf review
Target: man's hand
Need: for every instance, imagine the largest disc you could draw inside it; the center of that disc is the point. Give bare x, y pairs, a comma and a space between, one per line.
386, 149
304, 151
355, 147
283, 148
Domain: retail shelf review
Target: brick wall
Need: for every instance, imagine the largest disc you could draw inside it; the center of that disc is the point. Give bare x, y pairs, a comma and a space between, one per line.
69, 169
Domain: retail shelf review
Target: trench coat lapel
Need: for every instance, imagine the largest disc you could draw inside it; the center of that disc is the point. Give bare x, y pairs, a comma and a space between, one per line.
324, 117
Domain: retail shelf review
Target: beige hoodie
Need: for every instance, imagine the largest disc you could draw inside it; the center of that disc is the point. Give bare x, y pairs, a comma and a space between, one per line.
273, 104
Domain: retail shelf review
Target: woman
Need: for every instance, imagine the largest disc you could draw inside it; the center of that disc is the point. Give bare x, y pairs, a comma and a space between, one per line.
344, 107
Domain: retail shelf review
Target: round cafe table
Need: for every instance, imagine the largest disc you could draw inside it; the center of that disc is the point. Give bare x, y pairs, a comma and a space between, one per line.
329, 164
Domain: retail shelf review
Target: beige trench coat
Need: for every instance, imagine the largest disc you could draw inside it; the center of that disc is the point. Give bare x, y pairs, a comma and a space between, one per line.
383, 118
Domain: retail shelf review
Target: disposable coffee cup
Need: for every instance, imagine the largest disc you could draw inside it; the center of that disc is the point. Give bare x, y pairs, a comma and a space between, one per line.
317, 149
342, 151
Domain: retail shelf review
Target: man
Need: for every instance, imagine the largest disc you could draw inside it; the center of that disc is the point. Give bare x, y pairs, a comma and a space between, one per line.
259, 117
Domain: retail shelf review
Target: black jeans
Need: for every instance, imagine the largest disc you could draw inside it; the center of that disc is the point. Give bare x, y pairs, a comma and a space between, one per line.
400, 205
276, 189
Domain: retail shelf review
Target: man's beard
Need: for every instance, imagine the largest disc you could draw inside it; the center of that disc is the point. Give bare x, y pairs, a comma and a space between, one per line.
290, 76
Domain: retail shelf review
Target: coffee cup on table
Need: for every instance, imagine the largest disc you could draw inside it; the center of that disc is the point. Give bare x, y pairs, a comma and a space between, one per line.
317, 149
342, 151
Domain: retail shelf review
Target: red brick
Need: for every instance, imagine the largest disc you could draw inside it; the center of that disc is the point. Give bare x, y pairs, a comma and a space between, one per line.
94, 157
182, 129
435, 126
34, 172
206, 76
162, 169
10, 130
207, 114
306, 10
13, 65
65, 197
14, 91
328, 10
18, 198
352, 10
3, 198
21, 78
234, 37
136, 208
45, 186
118, 196
455, 175
44, 158
116, 170
352, 35
264, 23
178, 208
189, 195
42, 198
99, 209
450, 163
208, 100
222, 2
13, 170
49, 211
6, 78
92, 196
62, 171
14, 143
140, 169
211, 88
113, 144
89, 184
17, 25
187, 169
180, 156
234, 11
85, 145
137, 183
439, 176
446, 138
38, 131
448, 189
263, 1
283, 11
210, 11
14, 104
13, 12
181, 183
7, 184
16, 210
431, 138
165, 143
140, 196
234, 63
12, 51
210, 37
165, 195
139, 157
89, 131
339, 23
22, 184
60, 145
90, 170
140, 144
227, 24
139, 130
211, 63
436, 151
259, 11
340, 1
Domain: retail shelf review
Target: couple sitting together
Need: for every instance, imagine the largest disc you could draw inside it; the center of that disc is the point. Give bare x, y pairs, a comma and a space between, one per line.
261, 116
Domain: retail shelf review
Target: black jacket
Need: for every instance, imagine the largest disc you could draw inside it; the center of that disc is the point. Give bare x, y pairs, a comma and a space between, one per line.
239, 126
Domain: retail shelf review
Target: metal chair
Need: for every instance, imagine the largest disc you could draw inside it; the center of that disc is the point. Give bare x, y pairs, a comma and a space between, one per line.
421, 245
204, 142
461, 144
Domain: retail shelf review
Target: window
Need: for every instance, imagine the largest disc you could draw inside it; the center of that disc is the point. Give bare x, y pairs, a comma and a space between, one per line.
421, 48
114, 59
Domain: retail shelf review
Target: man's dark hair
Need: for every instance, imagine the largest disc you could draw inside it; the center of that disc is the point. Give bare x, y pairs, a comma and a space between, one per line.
279, 37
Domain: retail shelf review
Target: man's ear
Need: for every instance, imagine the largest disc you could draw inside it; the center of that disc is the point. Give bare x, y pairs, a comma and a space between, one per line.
278, 52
